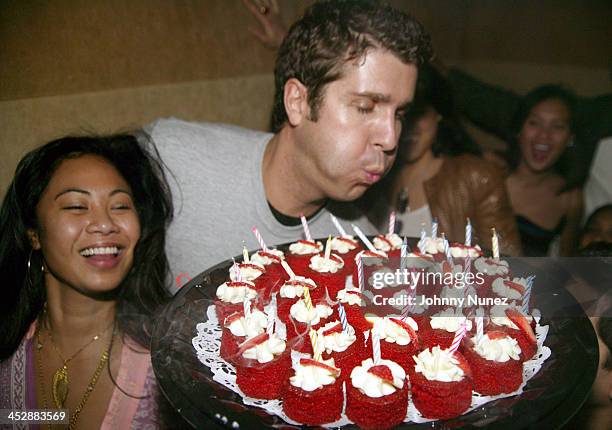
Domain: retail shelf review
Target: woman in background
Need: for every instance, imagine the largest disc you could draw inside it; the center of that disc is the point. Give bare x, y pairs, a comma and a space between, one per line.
438, 174
546, 205
84, 271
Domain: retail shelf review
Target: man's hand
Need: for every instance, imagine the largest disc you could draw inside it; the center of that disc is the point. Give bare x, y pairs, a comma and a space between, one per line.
271, 30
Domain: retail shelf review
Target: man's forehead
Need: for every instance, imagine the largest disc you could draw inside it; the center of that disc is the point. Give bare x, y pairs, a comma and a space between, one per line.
378, 75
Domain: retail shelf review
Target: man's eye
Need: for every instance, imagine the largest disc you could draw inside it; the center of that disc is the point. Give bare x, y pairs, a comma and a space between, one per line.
74, 207
364, 109
122, 207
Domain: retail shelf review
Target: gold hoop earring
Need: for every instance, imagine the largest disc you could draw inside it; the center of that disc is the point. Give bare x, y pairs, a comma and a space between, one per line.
42, 267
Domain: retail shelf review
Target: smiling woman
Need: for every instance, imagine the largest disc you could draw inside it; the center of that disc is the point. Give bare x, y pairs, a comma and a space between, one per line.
84, 267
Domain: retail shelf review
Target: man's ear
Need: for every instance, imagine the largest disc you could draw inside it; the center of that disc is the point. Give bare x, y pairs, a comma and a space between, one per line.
34, 239
296, 102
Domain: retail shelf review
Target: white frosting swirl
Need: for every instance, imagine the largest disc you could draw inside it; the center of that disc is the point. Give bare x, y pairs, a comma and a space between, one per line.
438, 365
295, 287
499, 350
465, 251
305, 248
255, 324
300, 312
392, 332
373, 386
266, 351
393, 241
310, 377
501, 289
320, 264
450, 320
262, 259
236, 293
492, 267
338, 341
343, 244
350, 295
432, 245
248, 271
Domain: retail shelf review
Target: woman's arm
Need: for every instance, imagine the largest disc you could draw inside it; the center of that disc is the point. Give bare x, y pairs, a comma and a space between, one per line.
569, 234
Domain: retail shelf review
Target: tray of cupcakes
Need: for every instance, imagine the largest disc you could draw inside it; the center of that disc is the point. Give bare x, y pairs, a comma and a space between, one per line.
289, 331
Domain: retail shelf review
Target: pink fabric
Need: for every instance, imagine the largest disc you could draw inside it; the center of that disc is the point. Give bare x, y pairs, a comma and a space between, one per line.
133, 370
139, 410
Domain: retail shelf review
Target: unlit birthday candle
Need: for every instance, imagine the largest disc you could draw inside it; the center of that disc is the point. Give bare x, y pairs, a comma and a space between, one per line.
246, 306
338, 226
315, 347
421, 244
461, 331
328, 247
363, 238
272, 312
259, 238
245, 255
447, 250
468, 233
343, 319
360, 278
288, 269
375, 345
306, 229
479, 323
307, 299
392, 222
495, 244
236, 269
434, 228
527, 295
403, 254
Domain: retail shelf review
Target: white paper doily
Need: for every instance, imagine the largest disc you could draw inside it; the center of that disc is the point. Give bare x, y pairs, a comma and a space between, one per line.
207, 343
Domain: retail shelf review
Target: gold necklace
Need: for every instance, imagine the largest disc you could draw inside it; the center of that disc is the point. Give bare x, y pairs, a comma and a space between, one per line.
90, 387
60, 381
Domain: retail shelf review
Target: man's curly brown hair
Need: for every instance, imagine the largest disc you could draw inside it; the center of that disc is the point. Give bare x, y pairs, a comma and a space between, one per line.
332, 33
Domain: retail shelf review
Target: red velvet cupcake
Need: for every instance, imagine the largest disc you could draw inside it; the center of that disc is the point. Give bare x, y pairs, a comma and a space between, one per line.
490, 269
237, 328
328, 273
433, 246
262, 366
352, 300
441, 384
519, 327
274, 275
390, 244
301, 319
347, 348
495, 360
372, 261
230, 297
292, 290
441, 327
347, 248
300, 253
377, 395
398, 340
314, 394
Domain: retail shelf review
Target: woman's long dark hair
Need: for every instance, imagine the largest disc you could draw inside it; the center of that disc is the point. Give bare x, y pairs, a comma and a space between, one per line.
145, 287
434, 91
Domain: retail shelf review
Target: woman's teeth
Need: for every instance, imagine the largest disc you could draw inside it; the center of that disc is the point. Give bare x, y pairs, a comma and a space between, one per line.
109, 250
